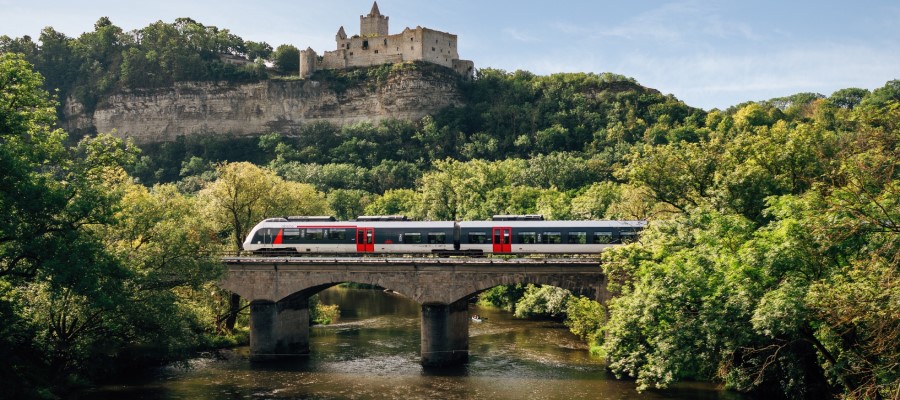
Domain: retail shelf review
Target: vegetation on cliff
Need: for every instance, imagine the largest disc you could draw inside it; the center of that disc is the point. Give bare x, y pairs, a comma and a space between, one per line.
107, 59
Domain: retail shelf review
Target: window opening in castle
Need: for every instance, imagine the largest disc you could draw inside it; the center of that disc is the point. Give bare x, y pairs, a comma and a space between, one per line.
385, 42
376, 51
365, 44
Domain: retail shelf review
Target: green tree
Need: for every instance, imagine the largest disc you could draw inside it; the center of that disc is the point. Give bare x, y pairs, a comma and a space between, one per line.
800, 303
542, 301
394, 202
94, 270
457, 190
504, 296
585, 318
244, 195
847, 98
680, 174
554, 205
287, 59
348, 203
594, 202
258, 50
880, 97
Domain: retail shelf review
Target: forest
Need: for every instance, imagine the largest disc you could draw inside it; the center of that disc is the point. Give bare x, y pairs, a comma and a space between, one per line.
770, 262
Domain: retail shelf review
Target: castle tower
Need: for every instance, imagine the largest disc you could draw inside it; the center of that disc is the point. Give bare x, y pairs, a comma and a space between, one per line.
341, 35
308, 64
373, 24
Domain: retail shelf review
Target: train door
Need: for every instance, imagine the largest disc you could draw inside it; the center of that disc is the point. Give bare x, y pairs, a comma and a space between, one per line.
502, 239
365, 240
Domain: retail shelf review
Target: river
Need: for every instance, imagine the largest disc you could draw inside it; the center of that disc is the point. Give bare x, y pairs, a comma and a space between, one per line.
372, 352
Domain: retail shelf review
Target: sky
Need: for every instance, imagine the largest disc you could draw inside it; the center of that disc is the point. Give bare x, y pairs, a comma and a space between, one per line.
710, 54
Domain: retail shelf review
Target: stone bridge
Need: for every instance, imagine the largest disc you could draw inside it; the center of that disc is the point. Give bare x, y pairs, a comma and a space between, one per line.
279, 289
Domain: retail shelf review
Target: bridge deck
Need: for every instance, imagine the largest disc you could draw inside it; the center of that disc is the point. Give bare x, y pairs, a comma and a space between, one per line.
411, 260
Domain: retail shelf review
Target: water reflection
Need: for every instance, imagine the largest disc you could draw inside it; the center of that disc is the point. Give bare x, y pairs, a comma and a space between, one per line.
373, 352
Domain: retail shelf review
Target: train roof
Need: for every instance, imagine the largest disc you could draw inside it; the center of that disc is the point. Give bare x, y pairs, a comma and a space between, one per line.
353, 224
283, 223
554, 224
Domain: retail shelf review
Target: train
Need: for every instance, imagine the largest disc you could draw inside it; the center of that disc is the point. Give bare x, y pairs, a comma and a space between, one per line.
503, 234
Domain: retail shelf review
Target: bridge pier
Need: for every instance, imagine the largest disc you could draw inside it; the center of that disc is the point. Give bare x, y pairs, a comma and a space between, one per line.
279, 330
445, 334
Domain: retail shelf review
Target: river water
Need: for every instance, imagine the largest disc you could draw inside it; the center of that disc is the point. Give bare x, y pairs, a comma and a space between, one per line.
372, 352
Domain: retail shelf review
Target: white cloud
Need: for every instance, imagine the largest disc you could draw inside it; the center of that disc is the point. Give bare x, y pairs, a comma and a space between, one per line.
519, 35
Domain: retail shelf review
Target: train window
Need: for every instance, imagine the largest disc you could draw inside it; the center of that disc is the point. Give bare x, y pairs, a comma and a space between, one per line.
628, 237
551, 238
291, 232
577, 237
315, 234
411, 237
602, 237
527, 237
478, 237
437, 237
337, 234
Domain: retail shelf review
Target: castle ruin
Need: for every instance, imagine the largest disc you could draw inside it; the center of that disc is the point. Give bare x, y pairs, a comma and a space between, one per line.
375, 46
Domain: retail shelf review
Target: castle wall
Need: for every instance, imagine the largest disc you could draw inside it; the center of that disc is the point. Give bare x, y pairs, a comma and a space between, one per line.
439, 47
410, 43
333, 60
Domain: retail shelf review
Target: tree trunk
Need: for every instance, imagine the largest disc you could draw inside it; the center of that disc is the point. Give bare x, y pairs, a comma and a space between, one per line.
234, 306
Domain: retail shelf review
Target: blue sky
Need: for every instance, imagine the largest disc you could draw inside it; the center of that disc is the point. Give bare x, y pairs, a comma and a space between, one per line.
711, 54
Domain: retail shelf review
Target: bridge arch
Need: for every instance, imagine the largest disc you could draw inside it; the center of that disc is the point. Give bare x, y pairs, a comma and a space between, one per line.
594, 289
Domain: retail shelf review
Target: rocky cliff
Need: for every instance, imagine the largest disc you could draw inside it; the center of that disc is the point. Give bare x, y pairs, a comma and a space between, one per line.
205, 108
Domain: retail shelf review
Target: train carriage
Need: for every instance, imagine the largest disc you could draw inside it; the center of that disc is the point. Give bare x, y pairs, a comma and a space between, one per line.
546, 237
313, 235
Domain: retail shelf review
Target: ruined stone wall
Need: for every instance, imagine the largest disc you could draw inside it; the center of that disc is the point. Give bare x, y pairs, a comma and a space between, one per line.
206, 108
439, 47
411, 46
466, 68
366, 51
332, 60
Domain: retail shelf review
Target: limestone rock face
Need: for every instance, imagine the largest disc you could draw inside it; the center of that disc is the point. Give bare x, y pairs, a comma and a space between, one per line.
208, 108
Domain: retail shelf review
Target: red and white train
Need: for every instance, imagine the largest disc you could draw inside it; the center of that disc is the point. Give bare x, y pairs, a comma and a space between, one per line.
505, 234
